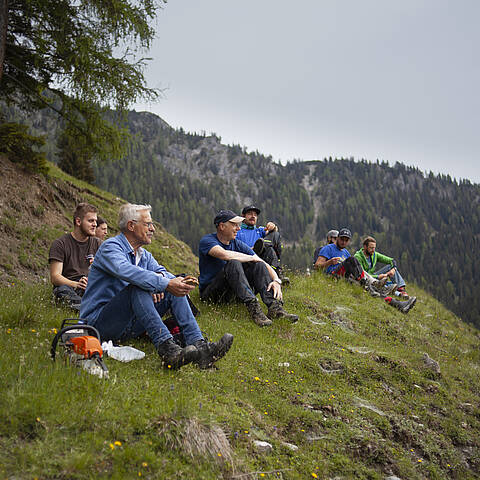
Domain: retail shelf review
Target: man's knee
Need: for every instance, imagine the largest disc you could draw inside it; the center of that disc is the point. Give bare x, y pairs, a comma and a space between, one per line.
233, 266
66, 292
259, 267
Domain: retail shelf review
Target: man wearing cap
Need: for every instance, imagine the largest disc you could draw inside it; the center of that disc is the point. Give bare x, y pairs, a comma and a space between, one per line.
331, 238
331, 255
265, 241
335, 259
230, 269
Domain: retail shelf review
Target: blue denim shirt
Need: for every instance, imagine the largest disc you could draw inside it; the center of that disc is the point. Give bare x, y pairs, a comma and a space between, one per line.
114, 268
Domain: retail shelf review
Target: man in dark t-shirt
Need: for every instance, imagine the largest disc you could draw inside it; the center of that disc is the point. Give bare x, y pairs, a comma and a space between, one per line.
229, 269
71, 255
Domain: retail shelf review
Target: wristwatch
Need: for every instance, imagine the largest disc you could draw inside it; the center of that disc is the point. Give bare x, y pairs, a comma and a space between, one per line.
278, 281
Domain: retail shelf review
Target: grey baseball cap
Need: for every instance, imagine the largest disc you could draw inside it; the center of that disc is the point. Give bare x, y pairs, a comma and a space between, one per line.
332, 233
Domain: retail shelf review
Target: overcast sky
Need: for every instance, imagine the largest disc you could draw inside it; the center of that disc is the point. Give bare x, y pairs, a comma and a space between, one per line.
393, 80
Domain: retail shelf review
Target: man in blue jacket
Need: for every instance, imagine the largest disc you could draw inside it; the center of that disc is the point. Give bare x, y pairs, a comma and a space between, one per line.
128, 292
265, 241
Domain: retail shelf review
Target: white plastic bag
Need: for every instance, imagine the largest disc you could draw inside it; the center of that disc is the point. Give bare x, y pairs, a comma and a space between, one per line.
122, 354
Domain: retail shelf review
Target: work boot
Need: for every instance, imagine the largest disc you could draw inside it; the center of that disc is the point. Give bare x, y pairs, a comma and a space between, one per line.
173, 356
275, 310
257, 314
379, 284
388, 290
372, 291
404, 306
210, 352
259, 247
285, 280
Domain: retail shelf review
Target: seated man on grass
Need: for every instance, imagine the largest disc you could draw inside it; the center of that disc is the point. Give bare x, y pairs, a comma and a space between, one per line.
128, 292
264, 241
331, 238
368, 258
229, 270
335, 259
71, 255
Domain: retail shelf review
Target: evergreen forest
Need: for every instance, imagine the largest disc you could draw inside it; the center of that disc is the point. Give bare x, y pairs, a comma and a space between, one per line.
428, 223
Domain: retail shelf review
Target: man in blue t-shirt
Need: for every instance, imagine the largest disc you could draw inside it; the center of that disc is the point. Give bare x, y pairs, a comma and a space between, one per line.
230, 269
332, 255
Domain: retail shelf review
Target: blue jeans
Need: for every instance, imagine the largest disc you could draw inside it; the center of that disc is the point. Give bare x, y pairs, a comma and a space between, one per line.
397, 278
132, 312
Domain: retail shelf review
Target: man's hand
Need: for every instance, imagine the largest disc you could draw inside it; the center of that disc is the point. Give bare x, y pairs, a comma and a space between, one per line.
390, 274
176, 286
277, 290
270, 227
335, 260
158, 297
82, 283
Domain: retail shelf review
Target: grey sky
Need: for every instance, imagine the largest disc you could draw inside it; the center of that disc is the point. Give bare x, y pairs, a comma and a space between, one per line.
396, 81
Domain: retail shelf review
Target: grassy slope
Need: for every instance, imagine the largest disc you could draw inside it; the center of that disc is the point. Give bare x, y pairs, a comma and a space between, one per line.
58, 422
382, 412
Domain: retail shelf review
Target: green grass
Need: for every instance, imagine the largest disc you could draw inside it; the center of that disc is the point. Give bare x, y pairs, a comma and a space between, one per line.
381, 413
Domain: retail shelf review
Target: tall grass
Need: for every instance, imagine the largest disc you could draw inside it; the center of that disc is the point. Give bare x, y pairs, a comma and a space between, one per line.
358, 401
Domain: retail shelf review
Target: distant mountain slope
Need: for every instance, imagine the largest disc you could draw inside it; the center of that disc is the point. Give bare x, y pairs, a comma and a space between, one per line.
430, 224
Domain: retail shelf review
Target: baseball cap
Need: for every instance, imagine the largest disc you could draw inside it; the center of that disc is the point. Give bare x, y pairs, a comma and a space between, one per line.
224, 216
345, 232
332, 233
251, 207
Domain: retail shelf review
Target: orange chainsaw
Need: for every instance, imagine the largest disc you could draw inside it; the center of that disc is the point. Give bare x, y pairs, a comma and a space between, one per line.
81, 346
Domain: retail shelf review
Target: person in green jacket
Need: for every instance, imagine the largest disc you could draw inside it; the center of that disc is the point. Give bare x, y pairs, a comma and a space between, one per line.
368, 258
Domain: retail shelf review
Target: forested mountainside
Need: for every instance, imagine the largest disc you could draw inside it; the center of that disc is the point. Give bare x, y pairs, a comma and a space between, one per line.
429, 223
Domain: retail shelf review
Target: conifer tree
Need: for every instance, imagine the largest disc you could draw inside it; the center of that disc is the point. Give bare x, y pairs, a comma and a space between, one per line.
80, 58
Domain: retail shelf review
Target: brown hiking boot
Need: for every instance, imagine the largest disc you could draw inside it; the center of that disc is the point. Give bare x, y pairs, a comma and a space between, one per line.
275, 310
257, 314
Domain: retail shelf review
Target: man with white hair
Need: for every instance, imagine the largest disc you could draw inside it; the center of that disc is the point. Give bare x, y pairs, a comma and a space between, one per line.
128, 292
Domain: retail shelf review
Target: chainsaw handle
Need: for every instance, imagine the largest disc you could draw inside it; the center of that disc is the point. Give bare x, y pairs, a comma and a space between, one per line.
89, 328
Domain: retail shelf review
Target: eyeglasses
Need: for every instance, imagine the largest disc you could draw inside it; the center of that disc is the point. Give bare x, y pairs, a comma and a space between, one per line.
147, 224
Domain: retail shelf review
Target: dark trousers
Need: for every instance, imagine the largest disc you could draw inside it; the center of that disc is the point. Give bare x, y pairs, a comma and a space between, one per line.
241, 281
272, 249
